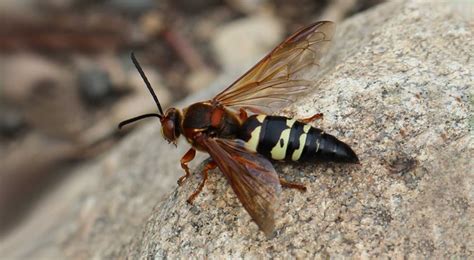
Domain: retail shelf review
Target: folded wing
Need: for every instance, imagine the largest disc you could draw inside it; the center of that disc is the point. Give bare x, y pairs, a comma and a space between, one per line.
251, 176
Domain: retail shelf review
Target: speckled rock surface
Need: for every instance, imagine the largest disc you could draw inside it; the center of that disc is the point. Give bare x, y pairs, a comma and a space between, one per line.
398, 92
397, 88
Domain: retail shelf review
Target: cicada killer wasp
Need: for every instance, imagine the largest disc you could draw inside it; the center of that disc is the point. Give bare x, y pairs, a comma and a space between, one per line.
234, 127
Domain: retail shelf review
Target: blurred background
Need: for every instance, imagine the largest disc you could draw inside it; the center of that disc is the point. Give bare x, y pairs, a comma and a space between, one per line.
66, 78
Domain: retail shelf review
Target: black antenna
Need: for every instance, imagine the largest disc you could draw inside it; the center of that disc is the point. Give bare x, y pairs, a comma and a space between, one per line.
133, 119
147, 83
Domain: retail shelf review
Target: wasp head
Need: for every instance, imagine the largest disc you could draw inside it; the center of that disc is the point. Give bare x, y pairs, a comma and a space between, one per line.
170, 125
170, 121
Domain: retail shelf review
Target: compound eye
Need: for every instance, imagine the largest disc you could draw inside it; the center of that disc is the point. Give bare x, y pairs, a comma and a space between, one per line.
169, 130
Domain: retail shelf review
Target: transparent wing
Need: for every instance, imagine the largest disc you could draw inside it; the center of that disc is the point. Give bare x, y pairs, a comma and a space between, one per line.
251, 176
277, 79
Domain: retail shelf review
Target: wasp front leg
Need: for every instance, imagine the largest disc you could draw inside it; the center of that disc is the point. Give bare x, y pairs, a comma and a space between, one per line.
187, 157
312, 118
209, 166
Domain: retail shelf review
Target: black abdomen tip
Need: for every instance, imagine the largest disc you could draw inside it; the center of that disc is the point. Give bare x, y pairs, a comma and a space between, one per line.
345, 154
332, 149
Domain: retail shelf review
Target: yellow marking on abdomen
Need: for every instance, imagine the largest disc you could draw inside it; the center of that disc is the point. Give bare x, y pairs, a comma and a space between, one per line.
297, 153
260, 118
306, 128
278, 152
252, 143
290, 122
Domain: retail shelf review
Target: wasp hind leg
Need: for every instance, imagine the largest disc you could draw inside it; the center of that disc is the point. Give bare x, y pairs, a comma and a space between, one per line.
209, 166
292, 185
312, 118
187, 157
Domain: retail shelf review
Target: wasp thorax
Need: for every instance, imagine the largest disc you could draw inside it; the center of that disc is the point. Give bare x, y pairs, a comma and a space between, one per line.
170, 125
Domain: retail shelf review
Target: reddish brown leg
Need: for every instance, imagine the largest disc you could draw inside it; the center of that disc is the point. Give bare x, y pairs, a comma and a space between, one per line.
209, 166
187, 157
312, 118
292, 185
243, 114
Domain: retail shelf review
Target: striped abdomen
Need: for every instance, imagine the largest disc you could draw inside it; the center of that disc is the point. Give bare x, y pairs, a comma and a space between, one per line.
282, 138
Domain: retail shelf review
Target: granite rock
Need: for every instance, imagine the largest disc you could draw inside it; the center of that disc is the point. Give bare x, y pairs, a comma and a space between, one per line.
397, 87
